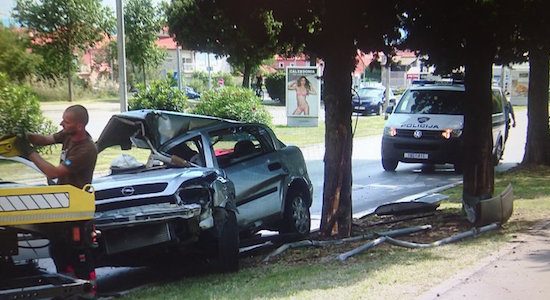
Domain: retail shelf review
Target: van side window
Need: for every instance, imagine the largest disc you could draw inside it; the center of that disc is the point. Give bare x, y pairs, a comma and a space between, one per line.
497, 102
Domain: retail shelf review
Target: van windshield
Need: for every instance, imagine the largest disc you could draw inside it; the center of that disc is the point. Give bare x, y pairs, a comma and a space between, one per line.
431, 102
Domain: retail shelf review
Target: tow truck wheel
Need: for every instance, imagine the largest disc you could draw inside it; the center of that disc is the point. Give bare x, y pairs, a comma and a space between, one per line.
227, 240
389, 164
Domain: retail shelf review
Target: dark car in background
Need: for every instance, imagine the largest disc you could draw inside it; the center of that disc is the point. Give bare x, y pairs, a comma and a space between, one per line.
191, 93
369, 99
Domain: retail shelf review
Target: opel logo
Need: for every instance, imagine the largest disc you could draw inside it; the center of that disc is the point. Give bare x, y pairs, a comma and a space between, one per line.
423, 119
127, 191
417, 134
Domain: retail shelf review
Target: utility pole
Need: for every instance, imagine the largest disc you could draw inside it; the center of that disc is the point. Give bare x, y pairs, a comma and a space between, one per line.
178, 57
121, 57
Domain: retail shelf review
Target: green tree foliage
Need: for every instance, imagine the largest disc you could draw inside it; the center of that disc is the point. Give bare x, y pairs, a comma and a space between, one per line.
62, 28
20, 110
205, 26
234, 103
142, 24
159, 95
14, 57
275, 85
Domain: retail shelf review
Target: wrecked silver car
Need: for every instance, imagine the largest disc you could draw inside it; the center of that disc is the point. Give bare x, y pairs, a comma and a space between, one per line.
205, 182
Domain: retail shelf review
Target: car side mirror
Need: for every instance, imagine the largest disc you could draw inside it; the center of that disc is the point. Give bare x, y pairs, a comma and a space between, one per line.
389, 111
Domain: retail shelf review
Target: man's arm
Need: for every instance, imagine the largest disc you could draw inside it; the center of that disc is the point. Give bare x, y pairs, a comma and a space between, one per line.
47, 168
40, 140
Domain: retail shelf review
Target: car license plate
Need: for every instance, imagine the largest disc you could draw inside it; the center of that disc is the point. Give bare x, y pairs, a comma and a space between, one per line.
359, 108
416, 155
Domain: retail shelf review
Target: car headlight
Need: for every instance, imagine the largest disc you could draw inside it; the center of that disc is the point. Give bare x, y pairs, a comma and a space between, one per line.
390, 131
451, 133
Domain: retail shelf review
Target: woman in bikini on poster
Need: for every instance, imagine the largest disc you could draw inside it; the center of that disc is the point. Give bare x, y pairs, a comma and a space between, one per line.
303, 88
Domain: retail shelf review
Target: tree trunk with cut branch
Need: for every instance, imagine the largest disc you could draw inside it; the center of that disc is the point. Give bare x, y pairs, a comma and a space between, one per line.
336, 217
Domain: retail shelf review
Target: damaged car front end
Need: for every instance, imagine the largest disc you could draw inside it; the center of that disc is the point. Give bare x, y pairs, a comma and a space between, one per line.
166, 205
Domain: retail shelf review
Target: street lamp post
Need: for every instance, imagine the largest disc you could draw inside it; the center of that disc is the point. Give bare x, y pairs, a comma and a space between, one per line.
121, 57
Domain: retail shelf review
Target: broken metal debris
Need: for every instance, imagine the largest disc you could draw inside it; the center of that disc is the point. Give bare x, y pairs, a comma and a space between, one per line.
474, 232
315, 243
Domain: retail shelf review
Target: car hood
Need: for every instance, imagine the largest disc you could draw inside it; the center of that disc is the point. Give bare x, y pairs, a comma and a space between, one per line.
152, 182
149, 128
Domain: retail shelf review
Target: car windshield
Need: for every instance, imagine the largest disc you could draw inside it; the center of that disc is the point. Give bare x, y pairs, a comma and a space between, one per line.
431, 102
370, 93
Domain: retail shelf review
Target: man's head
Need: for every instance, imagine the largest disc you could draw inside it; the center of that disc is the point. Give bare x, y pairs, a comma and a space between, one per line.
75, 119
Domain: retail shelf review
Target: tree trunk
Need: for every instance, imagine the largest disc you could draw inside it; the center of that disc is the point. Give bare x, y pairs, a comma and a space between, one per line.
478, 142
70, 84
537, 146
246, 75
336, 216
144, 79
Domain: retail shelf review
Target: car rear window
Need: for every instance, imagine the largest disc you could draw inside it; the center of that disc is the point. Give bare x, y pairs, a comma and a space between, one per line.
370, 92
431, 102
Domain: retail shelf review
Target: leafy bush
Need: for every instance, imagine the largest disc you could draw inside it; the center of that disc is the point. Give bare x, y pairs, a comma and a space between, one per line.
234, 103
20, 110
275, 85
199, 80
160, 95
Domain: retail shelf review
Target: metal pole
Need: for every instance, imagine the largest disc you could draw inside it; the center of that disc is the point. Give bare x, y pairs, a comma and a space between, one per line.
121, 57
178, 57
209, 72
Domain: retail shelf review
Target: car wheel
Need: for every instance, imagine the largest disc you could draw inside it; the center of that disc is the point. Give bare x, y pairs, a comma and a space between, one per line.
297, 218
379, 111
497, 156
227, 232
389, 164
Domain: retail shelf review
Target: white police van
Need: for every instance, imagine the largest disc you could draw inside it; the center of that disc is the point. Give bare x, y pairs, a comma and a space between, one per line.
426, 126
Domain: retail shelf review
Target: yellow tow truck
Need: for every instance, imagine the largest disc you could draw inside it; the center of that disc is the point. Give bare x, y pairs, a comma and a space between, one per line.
52, 212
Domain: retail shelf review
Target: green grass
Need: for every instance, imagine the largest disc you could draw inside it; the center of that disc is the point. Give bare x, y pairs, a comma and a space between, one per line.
304, 136
385, 272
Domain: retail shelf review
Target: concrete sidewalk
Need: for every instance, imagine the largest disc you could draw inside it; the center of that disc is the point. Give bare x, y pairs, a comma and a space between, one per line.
521, 270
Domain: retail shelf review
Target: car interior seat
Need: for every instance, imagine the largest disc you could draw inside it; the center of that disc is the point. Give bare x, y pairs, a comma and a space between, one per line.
243, 148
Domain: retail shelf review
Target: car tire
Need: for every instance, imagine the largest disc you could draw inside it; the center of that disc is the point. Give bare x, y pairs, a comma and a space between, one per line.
497, 155
379, 111
297, 218
389, 165
227, 235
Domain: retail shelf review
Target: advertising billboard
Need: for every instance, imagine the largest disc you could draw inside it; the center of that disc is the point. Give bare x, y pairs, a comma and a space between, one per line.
303, 96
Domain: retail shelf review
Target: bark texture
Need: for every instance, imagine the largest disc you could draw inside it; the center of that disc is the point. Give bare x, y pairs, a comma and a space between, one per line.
478, 165
537, 146
337, 206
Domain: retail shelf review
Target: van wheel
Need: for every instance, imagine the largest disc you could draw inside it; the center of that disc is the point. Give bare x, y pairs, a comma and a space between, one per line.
389, 164
497, 156
458, 168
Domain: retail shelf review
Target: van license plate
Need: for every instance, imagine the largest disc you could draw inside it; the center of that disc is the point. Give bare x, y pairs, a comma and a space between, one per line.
416, 155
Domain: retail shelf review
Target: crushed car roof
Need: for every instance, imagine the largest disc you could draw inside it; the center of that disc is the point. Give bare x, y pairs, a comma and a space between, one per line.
157, 125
